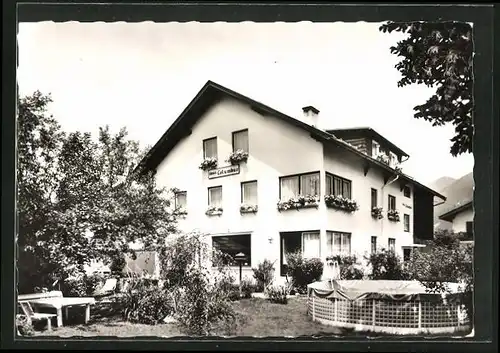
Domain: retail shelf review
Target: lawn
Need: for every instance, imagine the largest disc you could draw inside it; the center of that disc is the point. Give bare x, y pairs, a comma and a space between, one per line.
256, 318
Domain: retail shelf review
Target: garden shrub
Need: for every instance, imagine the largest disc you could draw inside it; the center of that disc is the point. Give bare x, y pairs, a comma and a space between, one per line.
247, 288
278, 294
303, 271
348, 266
203, 304
24, 326
263, 274
146, 304
82, 286
386, 265
445, 260
118, 263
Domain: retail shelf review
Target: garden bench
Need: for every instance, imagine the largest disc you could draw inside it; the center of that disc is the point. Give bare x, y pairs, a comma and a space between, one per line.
55, 300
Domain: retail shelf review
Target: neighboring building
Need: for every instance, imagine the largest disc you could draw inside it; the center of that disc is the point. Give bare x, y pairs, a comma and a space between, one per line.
287, 159
461, 218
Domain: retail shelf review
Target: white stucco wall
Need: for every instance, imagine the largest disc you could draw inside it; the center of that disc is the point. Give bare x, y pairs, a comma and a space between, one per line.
276, 149
360, 224
458, 224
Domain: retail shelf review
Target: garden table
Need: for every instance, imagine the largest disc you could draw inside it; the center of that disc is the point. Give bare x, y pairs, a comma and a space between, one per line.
59, 303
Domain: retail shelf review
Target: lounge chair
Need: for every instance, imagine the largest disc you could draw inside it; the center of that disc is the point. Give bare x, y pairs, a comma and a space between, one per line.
31, 315
108, 288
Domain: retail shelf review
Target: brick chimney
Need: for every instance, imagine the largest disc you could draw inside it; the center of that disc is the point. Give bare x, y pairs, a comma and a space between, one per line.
311, 115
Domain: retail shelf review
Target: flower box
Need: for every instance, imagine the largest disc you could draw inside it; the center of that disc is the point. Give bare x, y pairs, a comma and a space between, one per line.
208, 163
377, 213
383, 158
393, 216
213, 211
341, 203
297, 203
237, 157
248, 208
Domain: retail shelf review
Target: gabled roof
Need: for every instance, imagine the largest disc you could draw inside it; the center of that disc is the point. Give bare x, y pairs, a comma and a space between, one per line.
212, 93
448, 216
370, 133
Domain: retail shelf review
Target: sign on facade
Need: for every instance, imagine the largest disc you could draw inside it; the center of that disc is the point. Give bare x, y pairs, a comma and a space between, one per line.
223, 171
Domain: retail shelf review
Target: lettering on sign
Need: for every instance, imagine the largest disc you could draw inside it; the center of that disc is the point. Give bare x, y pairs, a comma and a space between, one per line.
407, 206
223, 171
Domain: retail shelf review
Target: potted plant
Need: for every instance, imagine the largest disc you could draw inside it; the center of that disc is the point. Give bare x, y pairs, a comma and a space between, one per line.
208, 163
245, 208
341, 203
393, 215
237, 157
377, 213
213, 211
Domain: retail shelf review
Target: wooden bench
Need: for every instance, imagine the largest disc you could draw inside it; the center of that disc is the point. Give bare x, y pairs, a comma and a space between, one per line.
55, 300
31, 315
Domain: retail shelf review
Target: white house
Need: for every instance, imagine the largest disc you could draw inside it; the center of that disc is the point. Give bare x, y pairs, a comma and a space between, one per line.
461, 217
287, 158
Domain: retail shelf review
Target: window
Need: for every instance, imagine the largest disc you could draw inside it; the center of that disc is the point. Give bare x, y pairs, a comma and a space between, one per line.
232, 245
469, 228
249, 192
374, 198
210, 148
392, 203
240, 140
215, 196
338, 186
180, 200
374, 245
407, 191
310, 245
338, 243
293, 186
407, 222
392, 244
406, 254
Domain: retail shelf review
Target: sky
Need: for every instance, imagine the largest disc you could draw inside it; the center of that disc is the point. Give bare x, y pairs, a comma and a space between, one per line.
142, 75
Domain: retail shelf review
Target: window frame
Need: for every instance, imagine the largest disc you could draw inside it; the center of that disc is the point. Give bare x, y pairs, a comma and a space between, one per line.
176, 206
299, 178
373, 244
405, 188
237, 235
216, 147
208, 194
241, 190
342, 234
374, 192
389, 197
406, 217
237, 132
332, 184
389, 244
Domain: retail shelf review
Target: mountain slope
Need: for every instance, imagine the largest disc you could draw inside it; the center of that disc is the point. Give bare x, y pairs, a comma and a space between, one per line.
441, 183
457, 192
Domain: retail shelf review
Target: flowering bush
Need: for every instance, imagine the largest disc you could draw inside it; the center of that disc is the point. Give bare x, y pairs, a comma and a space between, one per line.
278, 294
213, 211
348, 265
341, 203
377, 212
208, 163
386, 265
298, 202
237, 156
302, 270
248, 208
263, 274
393, 215
24, 325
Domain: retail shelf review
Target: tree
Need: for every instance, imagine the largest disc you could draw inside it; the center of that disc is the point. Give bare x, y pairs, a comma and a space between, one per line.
439, 54
78, 199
